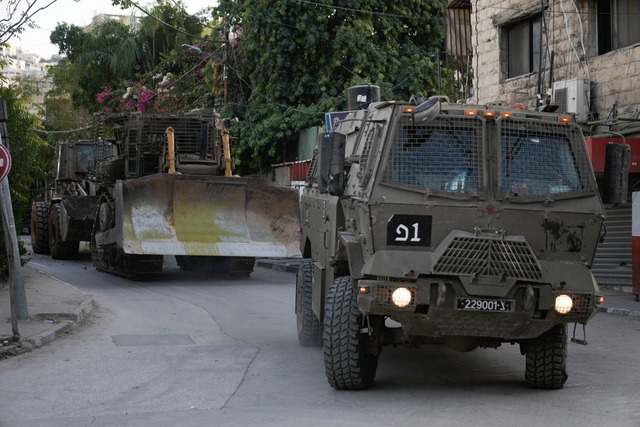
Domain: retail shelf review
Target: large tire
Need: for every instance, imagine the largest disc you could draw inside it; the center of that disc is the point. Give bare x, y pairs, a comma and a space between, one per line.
58, 247
546, 359
347, 364
40, 227
309, 326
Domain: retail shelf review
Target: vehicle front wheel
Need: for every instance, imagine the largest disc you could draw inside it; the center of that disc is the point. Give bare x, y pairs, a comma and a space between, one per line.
348, 364
309, 326
546, 359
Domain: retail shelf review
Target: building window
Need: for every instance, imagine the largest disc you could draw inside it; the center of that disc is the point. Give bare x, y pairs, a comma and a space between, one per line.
524, 47
617, 24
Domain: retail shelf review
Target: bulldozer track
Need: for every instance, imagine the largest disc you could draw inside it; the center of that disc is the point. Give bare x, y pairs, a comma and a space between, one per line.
113, 260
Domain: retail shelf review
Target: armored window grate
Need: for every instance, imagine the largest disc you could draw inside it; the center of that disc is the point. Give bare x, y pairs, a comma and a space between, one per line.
364, 173
441, 157
476, 256
542, 160
193, 135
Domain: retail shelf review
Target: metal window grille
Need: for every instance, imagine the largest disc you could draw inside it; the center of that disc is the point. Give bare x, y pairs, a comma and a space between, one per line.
364, 174
441, 157
542, 160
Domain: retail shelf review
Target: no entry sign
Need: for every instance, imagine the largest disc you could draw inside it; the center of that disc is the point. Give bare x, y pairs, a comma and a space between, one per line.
5, 162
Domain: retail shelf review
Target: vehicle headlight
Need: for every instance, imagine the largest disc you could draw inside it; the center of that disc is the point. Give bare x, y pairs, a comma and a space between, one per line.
401, 297
564, 304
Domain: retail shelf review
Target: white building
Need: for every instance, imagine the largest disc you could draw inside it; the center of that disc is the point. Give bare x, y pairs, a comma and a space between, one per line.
19, 63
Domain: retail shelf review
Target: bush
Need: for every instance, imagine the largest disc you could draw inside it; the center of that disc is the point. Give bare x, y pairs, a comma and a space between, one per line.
4, 260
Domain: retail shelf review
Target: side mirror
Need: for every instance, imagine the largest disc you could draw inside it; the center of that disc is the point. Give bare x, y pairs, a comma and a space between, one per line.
331, 149
426, 111
616, 174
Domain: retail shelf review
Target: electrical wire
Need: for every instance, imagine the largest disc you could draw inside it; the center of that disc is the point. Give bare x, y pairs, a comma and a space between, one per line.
350, 9
181, 31
54, 132
570, 40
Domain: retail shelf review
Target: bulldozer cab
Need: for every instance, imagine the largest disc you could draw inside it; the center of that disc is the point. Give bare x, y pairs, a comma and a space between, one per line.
74, 159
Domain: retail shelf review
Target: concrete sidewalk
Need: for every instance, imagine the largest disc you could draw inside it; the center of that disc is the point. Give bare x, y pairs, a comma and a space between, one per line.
56, 306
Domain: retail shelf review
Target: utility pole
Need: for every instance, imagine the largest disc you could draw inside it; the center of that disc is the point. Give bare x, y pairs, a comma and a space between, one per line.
18, 297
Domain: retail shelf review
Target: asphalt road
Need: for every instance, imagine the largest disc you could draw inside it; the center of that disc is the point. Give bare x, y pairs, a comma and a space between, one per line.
191, 351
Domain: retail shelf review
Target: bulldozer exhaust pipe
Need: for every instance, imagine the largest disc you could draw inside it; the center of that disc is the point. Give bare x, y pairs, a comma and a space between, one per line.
226, 151
171, 149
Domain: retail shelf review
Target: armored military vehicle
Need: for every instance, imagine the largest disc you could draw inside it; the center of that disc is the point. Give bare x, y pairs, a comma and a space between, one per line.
465, 225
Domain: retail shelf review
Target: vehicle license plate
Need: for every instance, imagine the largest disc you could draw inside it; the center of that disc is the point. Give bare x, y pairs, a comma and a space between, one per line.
477, 304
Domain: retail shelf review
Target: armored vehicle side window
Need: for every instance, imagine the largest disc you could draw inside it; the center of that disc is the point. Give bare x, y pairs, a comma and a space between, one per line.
441, 157
541, 161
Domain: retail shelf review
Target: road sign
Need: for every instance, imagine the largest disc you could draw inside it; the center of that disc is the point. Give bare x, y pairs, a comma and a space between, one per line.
5, 162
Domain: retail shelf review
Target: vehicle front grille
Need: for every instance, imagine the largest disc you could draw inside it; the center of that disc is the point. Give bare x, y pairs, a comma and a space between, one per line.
481, 256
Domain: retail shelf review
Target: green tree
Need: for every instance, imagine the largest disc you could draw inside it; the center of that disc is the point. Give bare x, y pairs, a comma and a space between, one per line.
166, 28
296, 58
70, 40
29, 153
59, 112
112, 57
107, 55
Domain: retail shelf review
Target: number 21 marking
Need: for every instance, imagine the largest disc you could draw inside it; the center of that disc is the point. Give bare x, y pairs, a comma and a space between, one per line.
403, 233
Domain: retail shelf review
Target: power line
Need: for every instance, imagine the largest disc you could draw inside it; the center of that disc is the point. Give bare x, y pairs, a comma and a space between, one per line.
181, 31
350, 9
53, 132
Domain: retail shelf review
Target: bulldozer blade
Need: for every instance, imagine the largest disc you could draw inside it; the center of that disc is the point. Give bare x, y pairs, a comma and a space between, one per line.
173, 214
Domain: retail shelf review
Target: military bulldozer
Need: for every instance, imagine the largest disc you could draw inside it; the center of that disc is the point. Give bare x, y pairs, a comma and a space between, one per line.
65, 217
164, 185
438, 223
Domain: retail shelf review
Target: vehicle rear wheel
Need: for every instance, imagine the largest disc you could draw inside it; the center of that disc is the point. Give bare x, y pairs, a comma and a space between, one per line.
546, 359
347, 363
40, 227
309, 326
58, 247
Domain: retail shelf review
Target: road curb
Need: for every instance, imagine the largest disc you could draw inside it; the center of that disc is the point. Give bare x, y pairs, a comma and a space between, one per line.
76, 316
620, 311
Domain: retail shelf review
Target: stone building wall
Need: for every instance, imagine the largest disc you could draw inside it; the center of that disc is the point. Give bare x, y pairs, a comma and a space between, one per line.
571, 30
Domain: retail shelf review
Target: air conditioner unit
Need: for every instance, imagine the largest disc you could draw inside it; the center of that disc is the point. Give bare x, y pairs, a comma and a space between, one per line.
573, 96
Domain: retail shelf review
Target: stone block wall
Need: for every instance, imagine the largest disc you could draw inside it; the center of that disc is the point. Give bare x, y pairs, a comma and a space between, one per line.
571, 34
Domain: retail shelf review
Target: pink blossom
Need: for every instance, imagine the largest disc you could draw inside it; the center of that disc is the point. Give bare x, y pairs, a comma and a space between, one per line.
102, 96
